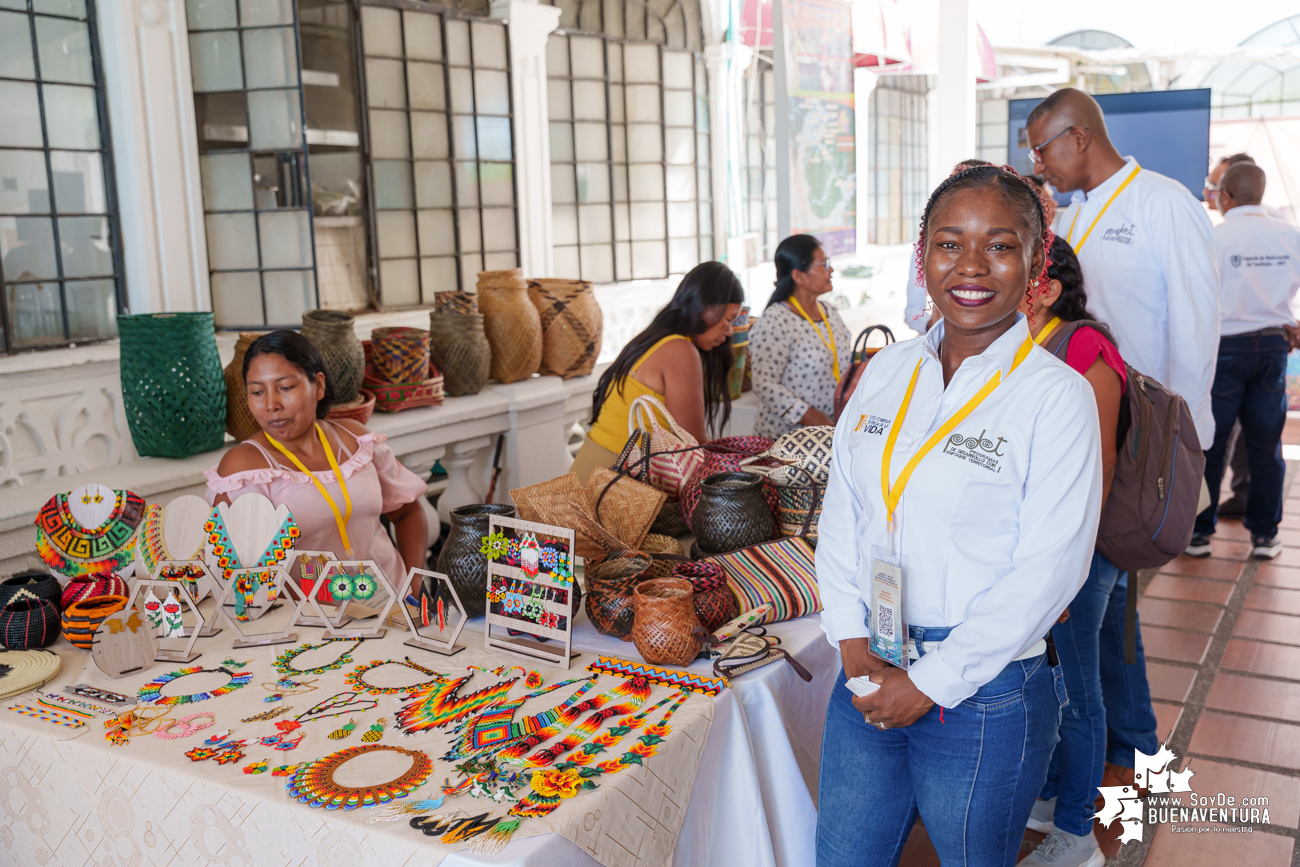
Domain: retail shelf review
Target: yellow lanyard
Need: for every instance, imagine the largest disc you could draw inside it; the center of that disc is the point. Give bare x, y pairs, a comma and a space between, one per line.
1047, 330
895, 493
1070, 235
828, 340
341, 520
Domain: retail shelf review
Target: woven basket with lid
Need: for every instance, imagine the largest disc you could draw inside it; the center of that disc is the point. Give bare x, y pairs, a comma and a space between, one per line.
512, 324
572, 325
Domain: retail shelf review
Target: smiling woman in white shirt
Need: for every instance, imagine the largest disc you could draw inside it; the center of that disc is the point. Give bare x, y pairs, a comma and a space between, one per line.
967, 475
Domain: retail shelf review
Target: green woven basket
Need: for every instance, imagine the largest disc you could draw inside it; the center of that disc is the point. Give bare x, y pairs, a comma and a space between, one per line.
172, 386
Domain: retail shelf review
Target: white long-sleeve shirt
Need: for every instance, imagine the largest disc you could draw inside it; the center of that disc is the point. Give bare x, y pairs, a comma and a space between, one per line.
1149, 271
997, 523
1259, 270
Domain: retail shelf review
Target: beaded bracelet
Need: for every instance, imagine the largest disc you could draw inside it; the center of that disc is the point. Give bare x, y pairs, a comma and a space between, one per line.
189, 728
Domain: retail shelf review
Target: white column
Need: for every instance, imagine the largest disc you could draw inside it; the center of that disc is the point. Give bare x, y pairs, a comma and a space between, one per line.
530, 24
155, 154
864, 84
715, 69
461, 487
952, 131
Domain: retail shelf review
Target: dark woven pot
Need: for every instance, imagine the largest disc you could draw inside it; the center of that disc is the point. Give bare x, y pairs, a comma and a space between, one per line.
84, 588
461, 559
82, 618
732, 513
459, 348
173, 388
669, 521
29, 621
610, 583
721, 456
714, 602
331, 332
38, 583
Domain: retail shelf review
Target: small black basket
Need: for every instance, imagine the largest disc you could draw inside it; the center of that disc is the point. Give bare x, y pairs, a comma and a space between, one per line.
28, 621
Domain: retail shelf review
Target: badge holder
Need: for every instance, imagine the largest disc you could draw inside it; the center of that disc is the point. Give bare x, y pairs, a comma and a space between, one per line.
440, 633
185, 573
887, 618
304, 566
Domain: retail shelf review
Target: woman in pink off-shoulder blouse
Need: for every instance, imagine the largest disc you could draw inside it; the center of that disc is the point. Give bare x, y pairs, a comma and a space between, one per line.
297, 459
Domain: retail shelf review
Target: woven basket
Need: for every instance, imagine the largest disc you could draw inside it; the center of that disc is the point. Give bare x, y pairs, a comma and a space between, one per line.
669, 521
82, 618
739, 360
456, 302
628, 507
794, 505
240, 423
358, 410
39, 584
397, 396
714, 602
562, 502
400, 354
29, 621
459, 348
609, 591
85, 588
173, 389
657, 544
462, 559
572, 324
732, 513
332, 333
720, 456
664, 628
513, 328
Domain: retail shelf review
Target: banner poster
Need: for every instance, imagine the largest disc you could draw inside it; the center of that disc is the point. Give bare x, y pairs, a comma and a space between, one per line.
818, 44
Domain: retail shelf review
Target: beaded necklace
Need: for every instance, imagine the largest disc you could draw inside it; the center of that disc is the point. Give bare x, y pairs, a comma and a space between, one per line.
284, 662
223, 550
151, 692
75, 551
356, 678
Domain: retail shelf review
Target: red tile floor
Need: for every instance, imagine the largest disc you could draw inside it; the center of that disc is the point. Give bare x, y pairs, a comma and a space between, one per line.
1222, 640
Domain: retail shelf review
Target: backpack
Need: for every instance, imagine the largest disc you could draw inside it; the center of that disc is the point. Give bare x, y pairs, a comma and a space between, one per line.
857, 366
1148, 517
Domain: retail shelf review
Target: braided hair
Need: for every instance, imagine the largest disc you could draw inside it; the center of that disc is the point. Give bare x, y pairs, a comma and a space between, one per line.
1019, 191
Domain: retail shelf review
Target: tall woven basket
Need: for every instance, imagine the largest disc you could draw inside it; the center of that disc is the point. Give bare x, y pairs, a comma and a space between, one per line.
664, 628
459, 348
172, 384
512, 324
240, 423
400, 354
331, 332
572, 324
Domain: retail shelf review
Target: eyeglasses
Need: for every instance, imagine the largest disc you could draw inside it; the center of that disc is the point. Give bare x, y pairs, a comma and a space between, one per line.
1037, 152
824, 264
1211, 185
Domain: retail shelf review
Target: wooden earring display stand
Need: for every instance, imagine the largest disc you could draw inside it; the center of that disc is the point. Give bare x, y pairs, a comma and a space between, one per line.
333, 625
324, 621
553, 654
445, 644
285, 590
207, 586
162, 654
124, 644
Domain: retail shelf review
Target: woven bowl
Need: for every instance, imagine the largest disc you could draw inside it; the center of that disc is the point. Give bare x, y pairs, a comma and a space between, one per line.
38, 583
28, 622
84, 588
610, 582
82, 618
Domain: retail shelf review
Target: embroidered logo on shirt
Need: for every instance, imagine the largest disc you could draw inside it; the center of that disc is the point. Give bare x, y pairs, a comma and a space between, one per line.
980, 450
872, 424
1260, 261
1125, 234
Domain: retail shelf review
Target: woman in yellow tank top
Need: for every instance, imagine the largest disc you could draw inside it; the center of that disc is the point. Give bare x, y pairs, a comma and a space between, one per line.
681, 358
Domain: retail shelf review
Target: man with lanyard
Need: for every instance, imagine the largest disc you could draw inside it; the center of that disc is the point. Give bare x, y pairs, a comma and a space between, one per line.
1145, 247
1259, 260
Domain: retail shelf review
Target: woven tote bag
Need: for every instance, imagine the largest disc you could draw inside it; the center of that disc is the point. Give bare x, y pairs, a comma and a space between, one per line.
668, 456
622, 505
173, 388
562, 501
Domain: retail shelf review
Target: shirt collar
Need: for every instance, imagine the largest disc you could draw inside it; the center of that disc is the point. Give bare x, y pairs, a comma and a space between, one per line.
1246, 211
1106, 187
1002, 352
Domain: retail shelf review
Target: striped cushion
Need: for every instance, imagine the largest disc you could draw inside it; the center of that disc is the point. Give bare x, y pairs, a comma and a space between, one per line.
779, 572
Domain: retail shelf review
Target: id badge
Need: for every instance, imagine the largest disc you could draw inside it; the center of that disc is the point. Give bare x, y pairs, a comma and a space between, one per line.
887, 620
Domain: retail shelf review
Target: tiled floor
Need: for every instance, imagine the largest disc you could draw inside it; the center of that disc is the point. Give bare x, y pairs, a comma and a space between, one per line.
1222, 639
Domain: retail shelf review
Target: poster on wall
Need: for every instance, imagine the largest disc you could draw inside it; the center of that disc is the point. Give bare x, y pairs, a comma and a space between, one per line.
821, 190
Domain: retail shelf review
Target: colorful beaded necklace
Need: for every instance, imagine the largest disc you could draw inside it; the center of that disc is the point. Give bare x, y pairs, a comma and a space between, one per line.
75, 551
151, 692
313, 782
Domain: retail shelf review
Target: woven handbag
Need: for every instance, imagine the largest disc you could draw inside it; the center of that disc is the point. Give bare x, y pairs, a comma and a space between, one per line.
622, 505
666, 630
668, 456
562, 501
804, 448
28, 620
858, 366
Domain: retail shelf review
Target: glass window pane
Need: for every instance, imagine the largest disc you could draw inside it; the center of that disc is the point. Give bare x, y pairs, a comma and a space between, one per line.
210, 14
35, 314
492, 91
462, 91
489, 45
261, 13
618, 143
566, 263
24, 186
589, 100
617, 103
677, 69
587, 57
389, 137
432, 185
462, 131
682, 219
590, 142
92, 309
564, 190
598, 264
222, 120
623, 261
558, 99
647, 221
27, 248
643, 102
458, 42
270, 57
385, 85
594, 224
496, 183
645, 143
498, 228
649, 260
500, 261
86, 247
557, 56
646, 183
78, 182
393, 184
681, 146
22, 113
436, 275
396, 233
401, 282
470, 266
64, 48
683, 255
423, 35
620, 183
593, 182
615, 50
69, 8
681, 183
16, 46
71, 117
494, 138
641, 63
429, 130
679, 108
215, 61
232, 241
381, 31
275, 120
702, 150
561, 142
289, 294
470, 236
437, 233
704, 184
428, 89
237, 299
467, 183
564, 228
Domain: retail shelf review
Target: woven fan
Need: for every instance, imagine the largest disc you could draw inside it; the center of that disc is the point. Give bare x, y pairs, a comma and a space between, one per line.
628, 507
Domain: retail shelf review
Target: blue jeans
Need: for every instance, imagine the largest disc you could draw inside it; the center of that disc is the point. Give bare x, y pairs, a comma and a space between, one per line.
973, 777
1130, 719
1249, 384
1080, 757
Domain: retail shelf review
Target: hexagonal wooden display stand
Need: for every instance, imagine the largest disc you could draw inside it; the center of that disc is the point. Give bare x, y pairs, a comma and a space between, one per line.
164, 654
334, 626
207, 586
445, 641
304, 618
284, 589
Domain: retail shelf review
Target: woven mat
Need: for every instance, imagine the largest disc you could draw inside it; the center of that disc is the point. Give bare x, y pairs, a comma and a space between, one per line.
23, 670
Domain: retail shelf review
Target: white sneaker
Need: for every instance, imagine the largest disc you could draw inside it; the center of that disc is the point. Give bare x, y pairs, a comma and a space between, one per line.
1040, 818
1063, 849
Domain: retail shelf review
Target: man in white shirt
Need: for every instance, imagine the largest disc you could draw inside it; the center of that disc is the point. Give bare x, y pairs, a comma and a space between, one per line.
1259, 265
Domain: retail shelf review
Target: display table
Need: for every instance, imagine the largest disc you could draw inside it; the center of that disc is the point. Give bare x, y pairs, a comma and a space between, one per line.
71, 799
